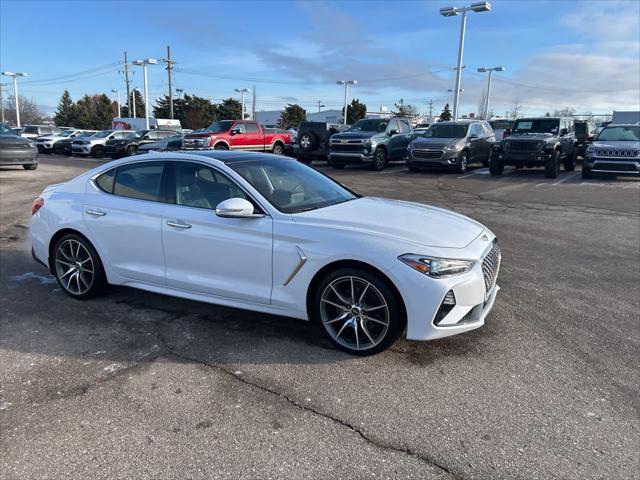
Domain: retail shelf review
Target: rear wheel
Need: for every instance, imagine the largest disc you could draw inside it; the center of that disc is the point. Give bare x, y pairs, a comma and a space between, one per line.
77, 267
495, 166
277, 149
552, 167
132, 150
97, 151
32, 166
571, 160
357, 311
379, 159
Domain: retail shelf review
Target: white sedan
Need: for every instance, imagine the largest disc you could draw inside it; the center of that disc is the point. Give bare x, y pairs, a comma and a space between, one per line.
267, 233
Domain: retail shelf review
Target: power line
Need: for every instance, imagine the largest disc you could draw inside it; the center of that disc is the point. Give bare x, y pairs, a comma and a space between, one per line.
64, 78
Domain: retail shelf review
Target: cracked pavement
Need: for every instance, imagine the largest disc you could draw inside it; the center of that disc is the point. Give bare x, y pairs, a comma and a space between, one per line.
138, 385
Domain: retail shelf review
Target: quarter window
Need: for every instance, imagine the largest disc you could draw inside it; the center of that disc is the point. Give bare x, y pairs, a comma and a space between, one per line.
105, 181
139, 180
204, 187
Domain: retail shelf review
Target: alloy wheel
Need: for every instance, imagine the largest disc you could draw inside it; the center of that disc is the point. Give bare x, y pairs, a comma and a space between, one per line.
354, 313
74, 267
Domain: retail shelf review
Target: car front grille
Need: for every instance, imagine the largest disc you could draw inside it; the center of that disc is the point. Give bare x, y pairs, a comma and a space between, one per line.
347, 147
617, 166
428, 154
490, 266
600, 152
14, 146
523, 146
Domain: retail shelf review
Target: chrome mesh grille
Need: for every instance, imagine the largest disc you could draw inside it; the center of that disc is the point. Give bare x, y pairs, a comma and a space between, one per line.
428, 154
490, 266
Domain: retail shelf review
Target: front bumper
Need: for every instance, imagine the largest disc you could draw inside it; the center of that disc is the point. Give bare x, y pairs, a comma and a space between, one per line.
18, 157
423, 297
350, 157
45, 146
432, 158
522, 158
613, 165
81, 149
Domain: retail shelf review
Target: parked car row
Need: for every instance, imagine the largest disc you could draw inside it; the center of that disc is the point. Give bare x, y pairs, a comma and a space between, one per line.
549, 142
16, 150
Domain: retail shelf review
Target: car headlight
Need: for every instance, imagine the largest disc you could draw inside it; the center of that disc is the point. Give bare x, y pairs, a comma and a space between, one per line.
411, 146
437, 267
453, 148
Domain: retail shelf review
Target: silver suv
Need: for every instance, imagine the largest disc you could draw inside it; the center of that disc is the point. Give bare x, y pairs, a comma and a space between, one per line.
95, 144
616, 150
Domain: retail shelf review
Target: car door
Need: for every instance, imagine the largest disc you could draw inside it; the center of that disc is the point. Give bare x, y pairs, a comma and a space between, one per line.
239, 138
393, 146
123, 211
476, 140
204, 253
406, 133
255, 138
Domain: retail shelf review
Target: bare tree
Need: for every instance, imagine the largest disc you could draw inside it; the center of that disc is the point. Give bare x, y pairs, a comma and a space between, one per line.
29, 111
516, 109
565, 112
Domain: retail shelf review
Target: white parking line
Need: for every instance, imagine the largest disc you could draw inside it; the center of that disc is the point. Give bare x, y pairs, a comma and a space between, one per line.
566, 178
397, 170
480, 171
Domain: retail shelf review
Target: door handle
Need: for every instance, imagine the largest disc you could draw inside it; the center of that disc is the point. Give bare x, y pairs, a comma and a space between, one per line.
178, 225
96, 213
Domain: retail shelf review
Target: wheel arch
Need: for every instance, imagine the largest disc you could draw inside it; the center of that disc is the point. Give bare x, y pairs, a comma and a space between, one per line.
222, 142
349, 263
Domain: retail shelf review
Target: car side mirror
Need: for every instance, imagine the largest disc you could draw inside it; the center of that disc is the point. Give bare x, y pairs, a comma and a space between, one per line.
235, 208
393, 132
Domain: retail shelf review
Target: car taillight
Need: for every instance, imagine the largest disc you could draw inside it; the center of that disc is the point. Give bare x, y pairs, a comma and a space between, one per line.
38, 203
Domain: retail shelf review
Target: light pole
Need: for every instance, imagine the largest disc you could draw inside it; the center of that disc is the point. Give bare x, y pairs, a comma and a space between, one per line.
346, 84
452, 12
117, 92
143, 64
15, 91
320, 106
486, 100
242, 91
2, 85
133, 100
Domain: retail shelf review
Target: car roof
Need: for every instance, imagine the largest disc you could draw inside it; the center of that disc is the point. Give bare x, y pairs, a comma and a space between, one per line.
228, 156
462, 121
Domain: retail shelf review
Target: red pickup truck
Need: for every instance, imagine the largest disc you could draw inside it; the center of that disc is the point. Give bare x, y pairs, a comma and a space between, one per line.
238, 135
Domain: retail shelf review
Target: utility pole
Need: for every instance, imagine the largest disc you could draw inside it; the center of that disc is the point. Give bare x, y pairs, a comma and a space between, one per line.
126, 80
431, 108
320, 106
253, 103
2, 85
170, 63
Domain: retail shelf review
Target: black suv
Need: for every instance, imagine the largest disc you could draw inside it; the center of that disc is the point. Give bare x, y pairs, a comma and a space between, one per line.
585, 133
120, 147
313, 140
537, 142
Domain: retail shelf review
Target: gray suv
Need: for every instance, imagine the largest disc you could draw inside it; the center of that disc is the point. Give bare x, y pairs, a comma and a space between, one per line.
451, 145
537, 142
374, 141
15, 150
616, 150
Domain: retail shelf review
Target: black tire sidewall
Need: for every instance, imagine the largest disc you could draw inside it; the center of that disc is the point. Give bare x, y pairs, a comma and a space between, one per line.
97, 151
552, 167
132, 150
461, 168
397, 321
99, 281
379, 159
495, 166
277, 149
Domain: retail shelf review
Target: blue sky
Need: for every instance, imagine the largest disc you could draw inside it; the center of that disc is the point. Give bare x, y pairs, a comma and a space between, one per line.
581, 54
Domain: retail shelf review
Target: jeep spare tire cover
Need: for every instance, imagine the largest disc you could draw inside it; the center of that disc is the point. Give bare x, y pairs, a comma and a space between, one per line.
308, 141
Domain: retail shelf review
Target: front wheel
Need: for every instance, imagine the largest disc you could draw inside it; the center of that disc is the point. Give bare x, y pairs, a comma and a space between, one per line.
586, 172
571, 160
495, 166
132, 150
463, 162
97, 151
357, 311
552, 167
77, 267
379, 159
220, 146
32, 166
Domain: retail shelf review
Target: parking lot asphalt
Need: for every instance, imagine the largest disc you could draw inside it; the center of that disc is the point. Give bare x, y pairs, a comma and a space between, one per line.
138, 385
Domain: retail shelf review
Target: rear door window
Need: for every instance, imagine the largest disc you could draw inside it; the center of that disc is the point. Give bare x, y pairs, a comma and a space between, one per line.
251, 127
404, 126
141, 181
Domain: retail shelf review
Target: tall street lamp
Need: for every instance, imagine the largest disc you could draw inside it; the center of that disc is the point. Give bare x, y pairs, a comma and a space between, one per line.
346, 84
133, 100
117, 92
452, 12
486, 100
143, 64
242, 91
15, 91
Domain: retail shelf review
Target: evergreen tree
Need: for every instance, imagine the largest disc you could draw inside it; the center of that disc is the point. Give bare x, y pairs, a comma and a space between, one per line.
192, 111
64, 114
445, 116
229, 109
405, 110
139, 101
104, 112
83, 113
292, 116
356, 111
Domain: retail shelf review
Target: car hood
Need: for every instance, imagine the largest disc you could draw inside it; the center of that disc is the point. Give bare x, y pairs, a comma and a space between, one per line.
48, 138
622, 145
353, 135
397, 219
532, 136
422, 142
9, 139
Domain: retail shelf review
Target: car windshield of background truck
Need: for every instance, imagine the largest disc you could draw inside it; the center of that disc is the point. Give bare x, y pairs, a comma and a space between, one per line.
536, 126
218, 127
369, 126
620, 134
446, 131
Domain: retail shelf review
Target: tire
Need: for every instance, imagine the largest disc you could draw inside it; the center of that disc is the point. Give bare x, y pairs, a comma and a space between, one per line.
414, 169
463, 161
383, 325
31, 166
77, 267
338, 166
571, 160
379, 159
221, 146
97, 151
586, 173
132, 150
277, 149
308, 141
58, 150
485, 163
495, 166
552, 167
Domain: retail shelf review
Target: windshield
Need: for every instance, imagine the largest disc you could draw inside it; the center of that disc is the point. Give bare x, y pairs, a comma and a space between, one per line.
222, 126
581, 128
620, 134
446, 131
501, 124
134, 135
103, 134
5, 129
369, 126
290, 186
542, 125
